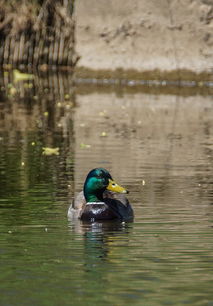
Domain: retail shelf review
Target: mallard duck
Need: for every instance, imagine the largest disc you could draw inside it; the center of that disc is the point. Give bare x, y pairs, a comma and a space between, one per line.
101, 199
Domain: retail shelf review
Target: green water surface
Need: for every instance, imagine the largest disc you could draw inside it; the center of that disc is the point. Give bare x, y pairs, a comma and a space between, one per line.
159, 146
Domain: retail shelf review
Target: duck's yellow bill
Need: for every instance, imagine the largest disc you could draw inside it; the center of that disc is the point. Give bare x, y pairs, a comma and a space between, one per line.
113, 186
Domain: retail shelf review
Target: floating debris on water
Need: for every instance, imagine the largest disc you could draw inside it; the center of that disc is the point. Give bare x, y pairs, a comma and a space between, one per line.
28, 85
103, 134
103, 113
12, 91
85, 146
50, 151
20, 76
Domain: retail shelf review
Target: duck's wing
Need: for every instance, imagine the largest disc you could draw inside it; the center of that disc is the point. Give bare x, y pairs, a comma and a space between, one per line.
119, 204
77, 205
79, 201
116, 196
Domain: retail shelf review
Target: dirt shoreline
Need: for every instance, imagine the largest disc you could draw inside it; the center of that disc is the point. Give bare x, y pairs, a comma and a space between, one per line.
181, 77
159, 35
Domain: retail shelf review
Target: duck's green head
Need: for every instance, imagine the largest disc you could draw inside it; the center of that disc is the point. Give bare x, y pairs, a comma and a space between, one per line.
97, 181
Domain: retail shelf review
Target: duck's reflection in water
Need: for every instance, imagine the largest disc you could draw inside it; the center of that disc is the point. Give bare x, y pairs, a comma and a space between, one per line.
102, 239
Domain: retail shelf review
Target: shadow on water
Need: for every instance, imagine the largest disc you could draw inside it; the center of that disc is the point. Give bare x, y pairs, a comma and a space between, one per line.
157, 143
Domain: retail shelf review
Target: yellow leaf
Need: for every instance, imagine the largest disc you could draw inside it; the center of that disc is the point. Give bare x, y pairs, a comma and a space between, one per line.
20, 76
50, 151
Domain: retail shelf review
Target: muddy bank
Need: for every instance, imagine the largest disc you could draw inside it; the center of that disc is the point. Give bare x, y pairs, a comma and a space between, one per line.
135, 34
